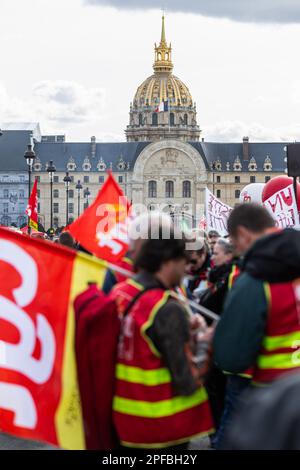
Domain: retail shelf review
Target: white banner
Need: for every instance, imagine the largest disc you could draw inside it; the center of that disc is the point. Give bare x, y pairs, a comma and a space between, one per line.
217, 213
283, 207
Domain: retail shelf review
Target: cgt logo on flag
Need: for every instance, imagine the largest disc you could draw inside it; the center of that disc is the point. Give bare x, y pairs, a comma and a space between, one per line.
39, 395
19, 358
102, 228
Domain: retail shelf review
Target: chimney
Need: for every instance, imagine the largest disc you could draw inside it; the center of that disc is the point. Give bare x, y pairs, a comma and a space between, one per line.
93, 147
246, 148
202, 139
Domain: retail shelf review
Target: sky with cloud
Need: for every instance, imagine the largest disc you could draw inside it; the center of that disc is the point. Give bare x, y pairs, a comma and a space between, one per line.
74, 65
282, 11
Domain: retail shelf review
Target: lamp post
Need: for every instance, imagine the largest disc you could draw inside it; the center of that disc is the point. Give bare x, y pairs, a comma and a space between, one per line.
87, 195
67, 180
214, 168
79, 188
29, 157
51, 170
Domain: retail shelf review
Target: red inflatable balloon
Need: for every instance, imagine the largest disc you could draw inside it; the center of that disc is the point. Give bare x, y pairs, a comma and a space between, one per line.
278, 183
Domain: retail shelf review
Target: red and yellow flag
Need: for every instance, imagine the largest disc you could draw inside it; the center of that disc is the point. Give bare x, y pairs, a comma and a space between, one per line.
102, 228
39, 395
32, 208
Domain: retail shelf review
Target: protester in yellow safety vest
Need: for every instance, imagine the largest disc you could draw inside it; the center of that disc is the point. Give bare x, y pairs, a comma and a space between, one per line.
159, 401
260, 322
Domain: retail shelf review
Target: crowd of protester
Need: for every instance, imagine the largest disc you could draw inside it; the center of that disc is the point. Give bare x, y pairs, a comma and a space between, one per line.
182, 374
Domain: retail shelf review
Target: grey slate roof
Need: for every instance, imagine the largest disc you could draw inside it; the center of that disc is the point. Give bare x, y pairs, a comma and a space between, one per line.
60, 153
227, 152
13, 145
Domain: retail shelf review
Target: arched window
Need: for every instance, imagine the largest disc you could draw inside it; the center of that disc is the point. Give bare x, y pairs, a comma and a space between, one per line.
186, 189
185, 119
169, 189
152, 189
154, 119
140, 119
172, 119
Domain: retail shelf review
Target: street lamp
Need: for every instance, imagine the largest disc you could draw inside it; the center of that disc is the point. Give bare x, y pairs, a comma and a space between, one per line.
29, 157
79, 188
87, 194
214, 168
67, 180
51, 170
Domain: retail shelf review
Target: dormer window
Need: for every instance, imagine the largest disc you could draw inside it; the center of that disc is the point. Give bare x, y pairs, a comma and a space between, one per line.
71, 165
217, 165
252, 164
86, 164
37, 166
101, 165
121, 164
268, 164
237, 166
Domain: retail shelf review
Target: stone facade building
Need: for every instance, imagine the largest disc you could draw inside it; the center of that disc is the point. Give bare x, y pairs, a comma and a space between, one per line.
162, 162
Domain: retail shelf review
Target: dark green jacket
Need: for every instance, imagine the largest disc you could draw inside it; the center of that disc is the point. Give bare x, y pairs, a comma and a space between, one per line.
241, 329
274, 259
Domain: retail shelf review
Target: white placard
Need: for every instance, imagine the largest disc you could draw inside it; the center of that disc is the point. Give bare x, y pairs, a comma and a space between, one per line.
217, 213
283, 207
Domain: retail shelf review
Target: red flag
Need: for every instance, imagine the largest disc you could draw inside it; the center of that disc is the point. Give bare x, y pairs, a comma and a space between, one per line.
39, 395
32, 208
102, 228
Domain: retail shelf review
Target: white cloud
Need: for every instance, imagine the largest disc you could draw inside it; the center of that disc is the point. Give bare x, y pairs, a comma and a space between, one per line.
236, 72
234, 131
57, 105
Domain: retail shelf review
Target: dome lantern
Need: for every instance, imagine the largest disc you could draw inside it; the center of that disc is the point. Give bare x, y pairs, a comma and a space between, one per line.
163, 53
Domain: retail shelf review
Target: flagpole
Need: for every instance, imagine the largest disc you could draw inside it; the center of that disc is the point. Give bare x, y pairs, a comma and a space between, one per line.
206, 312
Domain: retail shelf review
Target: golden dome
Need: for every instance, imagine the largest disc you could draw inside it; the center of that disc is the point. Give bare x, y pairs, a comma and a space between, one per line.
158, 88
163, 86
149, 121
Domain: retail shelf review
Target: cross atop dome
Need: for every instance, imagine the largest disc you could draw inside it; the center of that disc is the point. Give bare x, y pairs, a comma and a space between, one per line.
163, 53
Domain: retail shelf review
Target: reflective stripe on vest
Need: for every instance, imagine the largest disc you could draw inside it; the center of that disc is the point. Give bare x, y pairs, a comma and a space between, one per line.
159, 409
141, 376
291, 340
279, 352
278, 361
